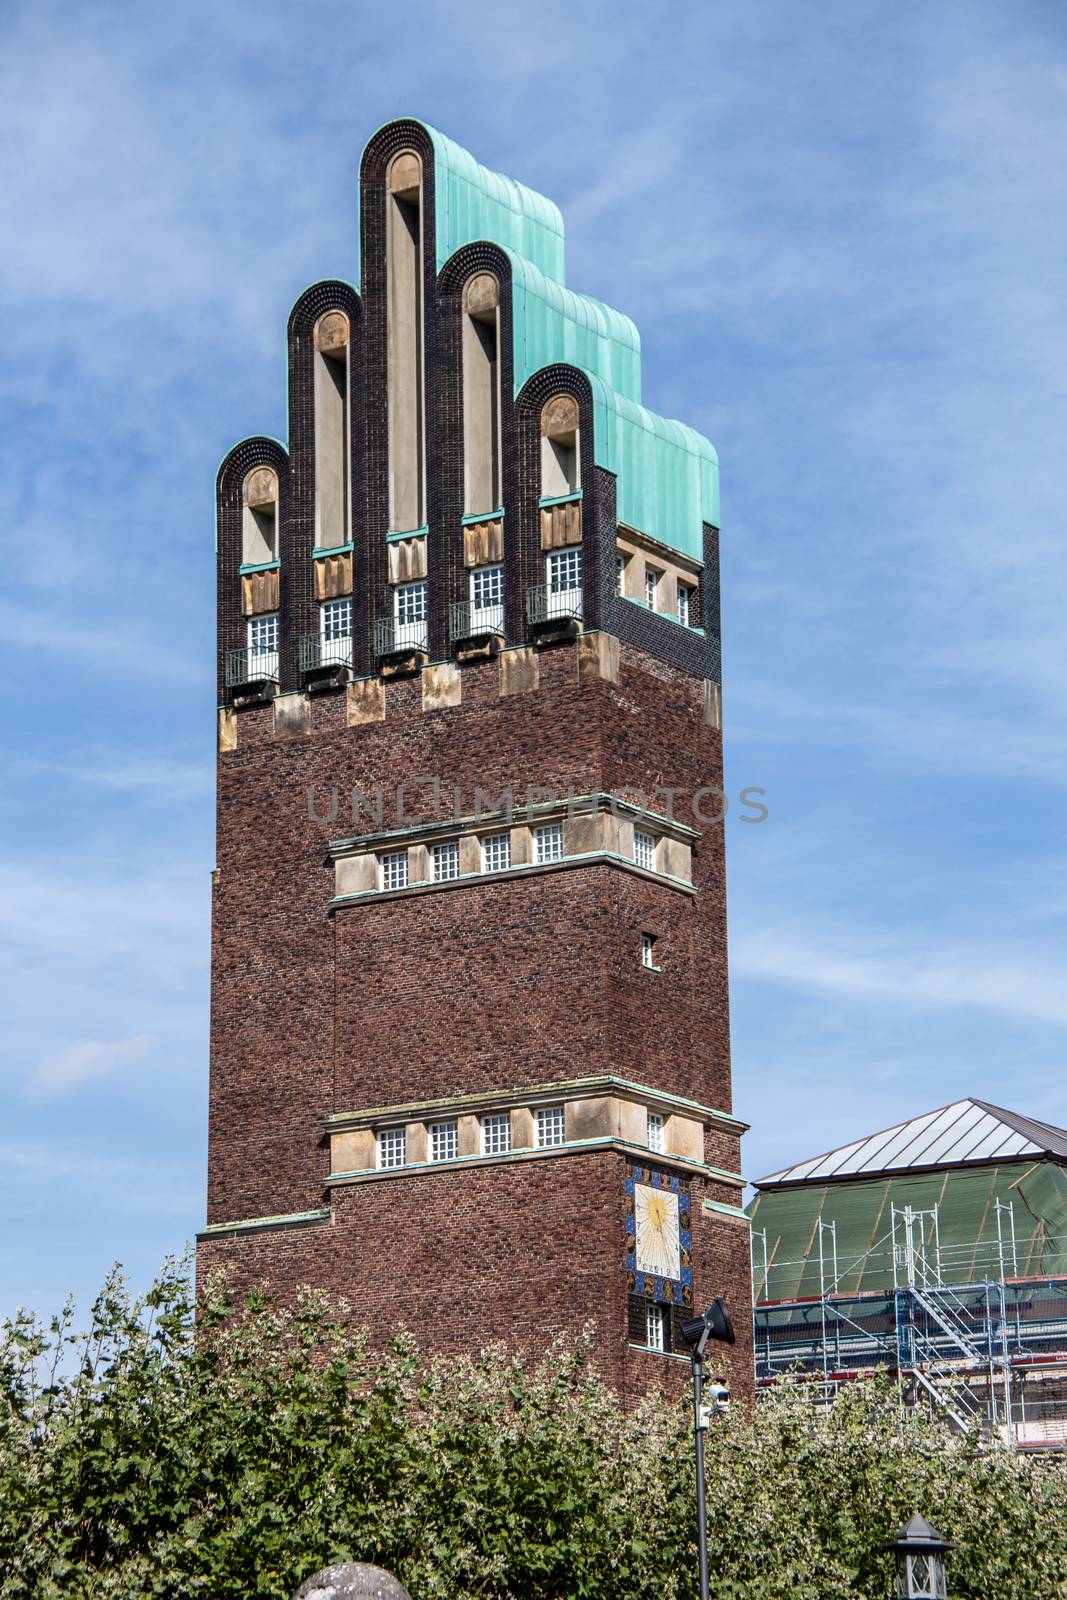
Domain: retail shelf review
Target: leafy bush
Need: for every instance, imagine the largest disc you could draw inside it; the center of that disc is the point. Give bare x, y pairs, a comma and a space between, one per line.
138, 1462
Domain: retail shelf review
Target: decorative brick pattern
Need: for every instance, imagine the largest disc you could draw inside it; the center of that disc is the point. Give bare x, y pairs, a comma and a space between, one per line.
531, 978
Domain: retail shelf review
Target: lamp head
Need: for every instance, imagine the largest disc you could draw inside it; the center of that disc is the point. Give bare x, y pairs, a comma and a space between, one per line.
714, 1324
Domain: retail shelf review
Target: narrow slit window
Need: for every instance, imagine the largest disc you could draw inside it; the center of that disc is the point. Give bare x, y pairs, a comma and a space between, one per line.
620, 575
684, 593
481, 394
654, 1131
651, 588
331, 431
404, 342
648, 950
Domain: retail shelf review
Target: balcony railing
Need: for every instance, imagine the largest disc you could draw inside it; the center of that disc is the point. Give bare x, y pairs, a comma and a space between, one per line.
545, 604
467, 621
317, 652
251, 666
390, 636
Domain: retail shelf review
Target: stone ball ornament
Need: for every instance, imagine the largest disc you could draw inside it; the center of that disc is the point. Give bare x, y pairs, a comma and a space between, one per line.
352, 1580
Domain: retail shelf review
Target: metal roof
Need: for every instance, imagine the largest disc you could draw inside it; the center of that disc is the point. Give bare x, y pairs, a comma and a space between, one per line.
956, 1135
667, 474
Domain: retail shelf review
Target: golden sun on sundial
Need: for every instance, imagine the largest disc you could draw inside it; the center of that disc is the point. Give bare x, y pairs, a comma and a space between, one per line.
656, 1220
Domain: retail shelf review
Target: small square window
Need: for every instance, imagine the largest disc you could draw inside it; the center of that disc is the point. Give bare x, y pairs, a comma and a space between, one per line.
644, 850
651, 587
392, 1148
496, 852
648, 950
684, 595
444, 861
444, 1141
657, 1328
548, 1126
654, 1131
496, 1134
395, 870
548, 842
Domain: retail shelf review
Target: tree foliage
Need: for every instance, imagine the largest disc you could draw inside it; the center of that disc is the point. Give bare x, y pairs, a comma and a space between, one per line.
137, 1461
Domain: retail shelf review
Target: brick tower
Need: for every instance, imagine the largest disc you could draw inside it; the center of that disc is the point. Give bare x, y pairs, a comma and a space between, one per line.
470, 1051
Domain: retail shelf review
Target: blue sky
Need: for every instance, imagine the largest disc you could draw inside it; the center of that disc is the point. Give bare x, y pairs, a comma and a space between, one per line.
841, 229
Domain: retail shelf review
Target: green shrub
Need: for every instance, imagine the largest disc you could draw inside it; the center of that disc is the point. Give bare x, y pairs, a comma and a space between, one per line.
138, 1462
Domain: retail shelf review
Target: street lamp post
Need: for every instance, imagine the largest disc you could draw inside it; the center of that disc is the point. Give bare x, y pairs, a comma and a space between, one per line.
920, 1556
696, 1331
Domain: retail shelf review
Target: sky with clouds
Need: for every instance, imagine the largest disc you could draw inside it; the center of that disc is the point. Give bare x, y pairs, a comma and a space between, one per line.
841, 228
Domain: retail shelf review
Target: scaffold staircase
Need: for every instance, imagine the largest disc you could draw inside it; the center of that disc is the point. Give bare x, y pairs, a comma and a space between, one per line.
948, 1365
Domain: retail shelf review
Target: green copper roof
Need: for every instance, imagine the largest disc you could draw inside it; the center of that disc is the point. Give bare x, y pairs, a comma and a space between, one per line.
667, 474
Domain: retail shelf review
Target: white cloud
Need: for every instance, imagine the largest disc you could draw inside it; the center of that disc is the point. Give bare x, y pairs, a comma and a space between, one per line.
81, 1063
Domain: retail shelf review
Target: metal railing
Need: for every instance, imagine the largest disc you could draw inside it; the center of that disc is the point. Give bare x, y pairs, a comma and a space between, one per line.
467, 621
316, 652
251, 666
545, 604
389, 636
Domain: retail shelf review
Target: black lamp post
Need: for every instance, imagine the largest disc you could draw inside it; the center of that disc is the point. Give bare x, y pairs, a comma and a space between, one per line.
714, 1324
920, 1554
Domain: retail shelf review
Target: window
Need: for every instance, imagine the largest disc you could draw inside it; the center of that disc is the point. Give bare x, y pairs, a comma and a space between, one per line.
651, 587
560, 464
644, 850
444, 1141
563, 573
654, 1131
335, 631
496, 1134
496, 852
487, 598
548, 842
444, 861
409, 606
395, 870
392, 1148
259, 517
404, 342
481, 394
332, 335
684, 594
648, 950
620, 575
263, 646
548, 1126
657, 1328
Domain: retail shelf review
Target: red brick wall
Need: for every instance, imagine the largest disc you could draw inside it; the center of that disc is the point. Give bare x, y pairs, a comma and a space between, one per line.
496, 984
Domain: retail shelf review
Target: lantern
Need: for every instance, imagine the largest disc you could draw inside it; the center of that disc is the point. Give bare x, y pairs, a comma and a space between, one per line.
920, 1552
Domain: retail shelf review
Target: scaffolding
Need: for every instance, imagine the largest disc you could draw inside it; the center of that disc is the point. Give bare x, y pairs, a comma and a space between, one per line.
988, 1351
